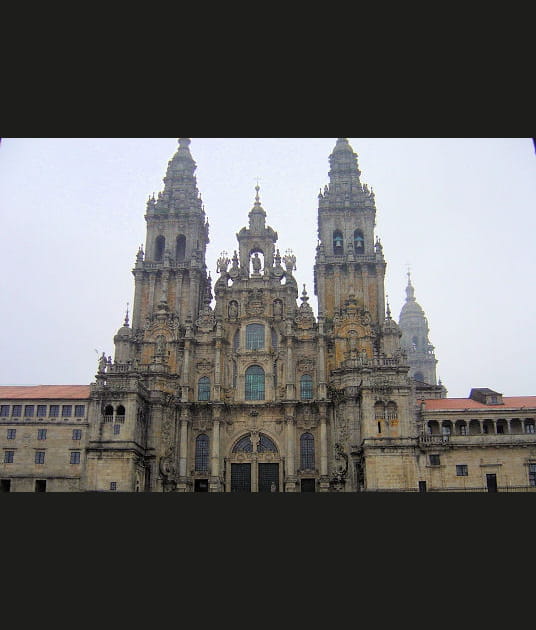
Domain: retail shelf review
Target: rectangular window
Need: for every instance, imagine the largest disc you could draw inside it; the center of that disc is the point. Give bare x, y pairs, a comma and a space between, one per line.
461, 470
117, 429
54, 411
529, 427
11, 433
4, 410
28, 411
75, 457
532, 474
41, 434
434, 460
41, 411
77, 434
16, 411
79, 411
254, 336
422, 486
40, 485
66, 411
113, 485
9, 457
39, 457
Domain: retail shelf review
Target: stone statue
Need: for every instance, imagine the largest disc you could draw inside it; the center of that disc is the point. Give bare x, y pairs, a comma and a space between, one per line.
256, 262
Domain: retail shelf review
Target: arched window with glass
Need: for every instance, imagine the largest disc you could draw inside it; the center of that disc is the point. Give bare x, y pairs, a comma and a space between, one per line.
201, 453
203, 388
254, 336
338, 247
306, 387
255, 383
359, 242
307, 451
180, 248
159, 247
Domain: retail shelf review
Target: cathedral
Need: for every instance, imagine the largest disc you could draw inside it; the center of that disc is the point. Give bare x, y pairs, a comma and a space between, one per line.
234, 384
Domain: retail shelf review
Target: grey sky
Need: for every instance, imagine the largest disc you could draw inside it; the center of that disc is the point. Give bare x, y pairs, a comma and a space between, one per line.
460, 212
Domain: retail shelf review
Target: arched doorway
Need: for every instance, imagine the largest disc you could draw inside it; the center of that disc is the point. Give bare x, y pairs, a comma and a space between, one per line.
254, 464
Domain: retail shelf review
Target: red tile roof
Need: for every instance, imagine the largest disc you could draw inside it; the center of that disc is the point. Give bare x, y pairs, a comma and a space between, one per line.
509, 402
44, 391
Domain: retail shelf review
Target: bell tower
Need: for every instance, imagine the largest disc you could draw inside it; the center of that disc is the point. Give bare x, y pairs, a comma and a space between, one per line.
171, 273
349, 262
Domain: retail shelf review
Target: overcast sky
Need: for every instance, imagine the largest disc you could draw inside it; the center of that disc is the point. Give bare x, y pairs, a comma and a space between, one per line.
459, 212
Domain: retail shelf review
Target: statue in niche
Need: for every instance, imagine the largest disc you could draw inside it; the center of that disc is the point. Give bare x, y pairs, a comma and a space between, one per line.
256, 263
352, 344
160, 344
233, 310
278, 308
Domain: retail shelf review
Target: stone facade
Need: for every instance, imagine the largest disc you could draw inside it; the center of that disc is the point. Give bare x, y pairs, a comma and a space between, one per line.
236, 385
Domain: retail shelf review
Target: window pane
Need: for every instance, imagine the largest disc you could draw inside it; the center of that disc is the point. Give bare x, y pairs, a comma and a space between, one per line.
307, 451
203, 388
28, 411
201, 453
41, 434
254, 336
4, 410
66, 410
11, 433
9, 456
75, 457
54, 410
79, 411
306, 387
255, 383
41, 410
40, 457
77, 434
17, 410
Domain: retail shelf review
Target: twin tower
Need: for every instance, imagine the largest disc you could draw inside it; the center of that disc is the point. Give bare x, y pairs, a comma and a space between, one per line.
239, 386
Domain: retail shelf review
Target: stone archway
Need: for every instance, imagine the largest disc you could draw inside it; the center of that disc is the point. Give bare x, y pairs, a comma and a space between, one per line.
254, 464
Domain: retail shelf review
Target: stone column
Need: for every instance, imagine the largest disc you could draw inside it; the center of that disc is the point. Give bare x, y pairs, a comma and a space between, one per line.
321, 391
183, 444
290, 385
136, 309
290, 476
214, 483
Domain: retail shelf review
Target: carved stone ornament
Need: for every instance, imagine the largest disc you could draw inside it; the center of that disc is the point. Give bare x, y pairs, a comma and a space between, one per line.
255, 304
305, 365
206, 321
204, 366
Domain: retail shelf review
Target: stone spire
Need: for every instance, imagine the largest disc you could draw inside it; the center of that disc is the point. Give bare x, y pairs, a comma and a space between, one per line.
180, 192
257, 215
345, 188
415, 340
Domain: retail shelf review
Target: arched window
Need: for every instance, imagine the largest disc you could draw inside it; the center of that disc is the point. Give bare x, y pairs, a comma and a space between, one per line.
201, 453
180, 248
307, 451
108, 413
359, 242
244, 445
203, 388
159, 247
254, 336
266, 445
306, 387
392, 411
255, 383
379, 410
120, 410
338, 247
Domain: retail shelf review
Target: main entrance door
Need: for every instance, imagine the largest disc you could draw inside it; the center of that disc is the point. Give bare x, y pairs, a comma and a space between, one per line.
268, 475
240, 477
254, 464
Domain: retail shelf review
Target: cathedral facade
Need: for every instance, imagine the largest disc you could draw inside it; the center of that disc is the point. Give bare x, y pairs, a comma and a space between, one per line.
235, 384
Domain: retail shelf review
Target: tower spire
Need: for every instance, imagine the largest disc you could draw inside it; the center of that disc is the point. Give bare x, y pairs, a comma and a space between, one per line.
180, 192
